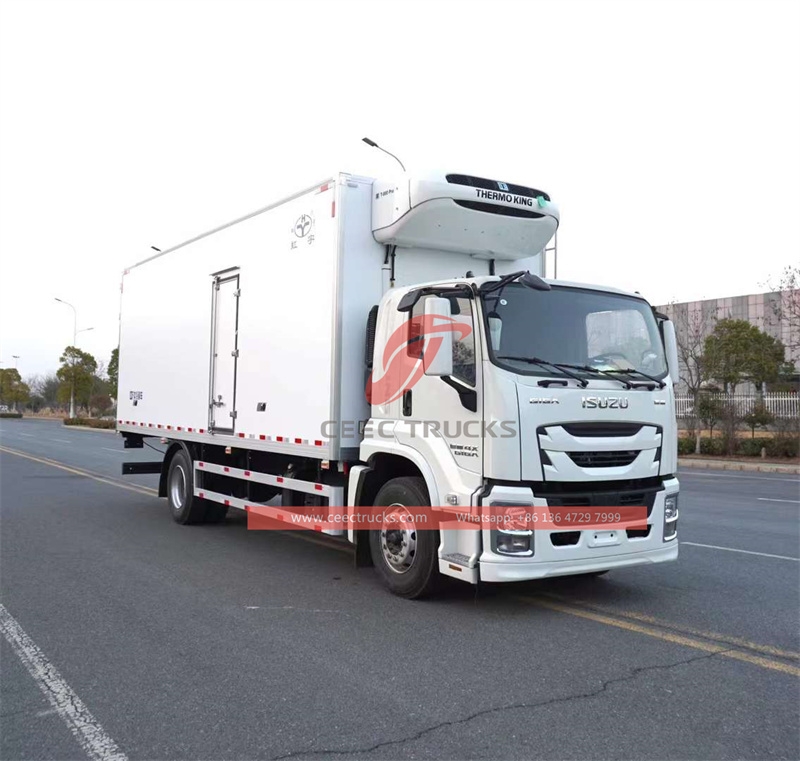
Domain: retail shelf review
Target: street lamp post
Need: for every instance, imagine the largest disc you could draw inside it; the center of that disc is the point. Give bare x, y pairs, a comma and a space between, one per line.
74, 341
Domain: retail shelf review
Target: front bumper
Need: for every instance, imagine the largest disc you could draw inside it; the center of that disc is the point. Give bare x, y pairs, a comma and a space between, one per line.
549, 560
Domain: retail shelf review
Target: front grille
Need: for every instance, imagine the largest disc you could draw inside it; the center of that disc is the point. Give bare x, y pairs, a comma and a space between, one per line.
505, 211
565, 538
597, 429
482, 182
599, 497
602, 459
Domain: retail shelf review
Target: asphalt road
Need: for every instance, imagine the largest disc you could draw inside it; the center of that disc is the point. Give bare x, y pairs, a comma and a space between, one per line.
211, 642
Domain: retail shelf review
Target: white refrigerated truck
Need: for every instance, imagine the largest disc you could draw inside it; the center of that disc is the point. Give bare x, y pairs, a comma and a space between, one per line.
248, 351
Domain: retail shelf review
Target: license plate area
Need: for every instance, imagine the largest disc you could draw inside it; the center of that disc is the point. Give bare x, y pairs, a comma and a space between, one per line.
604, 538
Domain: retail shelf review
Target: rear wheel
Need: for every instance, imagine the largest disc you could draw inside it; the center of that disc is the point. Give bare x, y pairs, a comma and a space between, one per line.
185, 507
405, 557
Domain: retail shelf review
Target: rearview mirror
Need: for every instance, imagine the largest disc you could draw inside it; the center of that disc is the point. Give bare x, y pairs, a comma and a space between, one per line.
671, 349
495, 329
437, 358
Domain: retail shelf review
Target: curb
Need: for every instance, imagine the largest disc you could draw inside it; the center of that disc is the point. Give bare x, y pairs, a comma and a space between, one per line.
733, 465
88, 428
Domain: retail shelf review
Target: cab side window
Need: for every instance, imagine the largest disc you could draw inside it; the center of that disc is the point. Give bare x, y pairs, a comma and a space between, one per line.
463, 345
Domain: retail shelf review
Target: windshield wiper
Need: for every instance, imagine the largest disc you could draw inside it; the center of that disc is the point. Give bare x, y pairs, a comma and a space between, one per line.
601, 373
582, 382
658, 382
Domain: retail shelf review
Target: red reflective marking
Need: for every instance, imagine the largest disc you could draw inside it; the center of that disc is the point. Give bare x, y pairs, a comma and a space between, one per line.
149, 425
298, 441
262, 437
279, 438
201, 464
190, 429
227, 502
202, 494
318, 487
179, 428
169, 427
323, 188
241, 435
280, 479
247, 472
141, 424
227, 469
201, 430
318, 443
159, 425
119, 421
333, 208
247, 508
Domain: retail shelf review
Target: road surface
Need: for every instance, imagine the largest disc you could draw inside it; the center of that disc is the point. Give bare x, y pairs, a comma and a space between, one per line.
159, 641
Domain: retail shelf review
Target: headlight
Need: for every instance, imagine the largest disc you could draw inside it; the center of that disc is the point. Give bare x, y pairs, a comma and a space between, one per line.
670, 517
512, 542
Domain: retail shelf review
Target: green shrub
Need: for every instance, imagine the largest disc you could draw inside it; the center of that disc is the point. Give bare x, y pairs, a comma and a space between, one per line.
11, 414
685, 445
783, 446
90, 422
711, 446
752, 447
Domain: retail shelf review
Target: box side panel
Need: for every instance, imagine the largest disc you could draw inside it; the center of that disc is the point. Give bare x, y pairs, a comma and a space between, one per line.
361, 288
286, 259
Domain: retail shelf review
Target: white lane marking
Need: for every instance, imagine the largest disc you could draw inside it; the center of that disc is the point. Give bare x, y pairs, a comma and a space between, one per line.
684, 474
28, 435
86, 729
744, 552
770, 499
62, 441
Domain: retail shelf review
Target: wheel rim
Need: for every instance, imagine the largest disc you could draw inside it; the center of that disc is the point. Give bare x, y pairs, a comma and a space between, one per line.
177, 487
398, 539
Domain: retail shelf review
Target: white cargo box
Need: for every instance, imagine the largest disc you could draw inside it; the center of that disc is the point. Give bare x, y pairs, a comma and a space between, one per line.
253, 334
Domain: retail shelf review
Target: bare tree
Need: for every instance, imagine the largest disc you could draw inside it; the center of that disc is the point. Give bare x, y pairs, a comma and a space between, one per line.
786, 309
691, 329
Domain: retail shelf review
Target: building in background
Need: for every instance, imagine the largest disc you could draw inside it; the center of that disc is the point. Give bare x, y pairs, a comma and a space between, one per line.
776, 313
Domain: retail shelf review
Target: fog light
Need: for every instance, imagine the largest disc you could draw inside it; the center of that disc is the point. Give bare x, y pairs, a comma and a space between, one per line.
512, 542
670, 517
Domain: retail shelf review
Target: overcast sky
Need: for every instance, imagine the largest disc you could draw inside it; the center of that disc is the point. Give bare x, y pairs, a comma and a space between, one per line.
668, 133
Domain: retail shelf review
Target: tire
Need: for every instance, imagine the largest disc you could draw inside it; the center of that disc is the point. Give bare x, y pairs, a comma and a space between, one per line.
412, 571
183, 505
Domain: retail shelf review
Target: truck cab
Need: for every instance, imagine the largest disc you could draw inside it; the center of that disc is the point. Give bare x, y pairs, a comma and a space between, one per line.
519, 391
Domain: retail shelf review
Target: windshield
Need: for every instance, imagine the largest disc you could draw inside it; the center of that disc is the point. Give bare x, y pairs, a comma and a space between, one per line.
573, 326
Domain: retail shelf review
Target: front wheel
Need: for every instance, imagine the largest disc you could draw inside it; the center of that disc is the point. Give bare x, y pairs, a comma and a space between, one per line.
405, 557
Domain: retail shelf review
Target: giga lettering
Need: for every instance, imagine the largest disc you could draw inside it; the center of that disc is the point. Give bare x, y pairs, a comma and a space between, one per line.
496, 195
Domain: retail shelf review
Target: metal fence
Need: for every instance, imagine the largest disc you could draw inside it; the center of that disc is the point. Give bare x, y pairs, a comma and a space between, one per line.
781, 405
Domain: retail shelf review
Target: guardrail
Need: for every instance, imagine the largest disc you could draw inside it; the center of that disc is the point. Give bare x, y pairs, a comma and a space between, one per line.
780, 404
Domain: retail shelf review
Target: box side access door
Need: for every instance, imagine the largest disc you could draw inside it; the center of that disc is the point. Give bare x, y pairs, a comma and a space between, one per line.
224, 352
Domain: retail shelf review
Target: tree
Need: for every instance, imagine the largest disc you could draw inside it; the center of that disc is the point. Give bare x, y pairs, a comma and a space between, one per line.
99, 403
710, 410
758, 417
76, 373
738, 351
12, 390
691, 329
48, 390
113, 372
786, 310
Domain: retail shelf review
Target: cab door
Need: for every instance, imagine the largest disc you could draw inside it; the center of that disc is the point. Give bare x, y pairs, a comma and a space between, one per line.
443, 416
